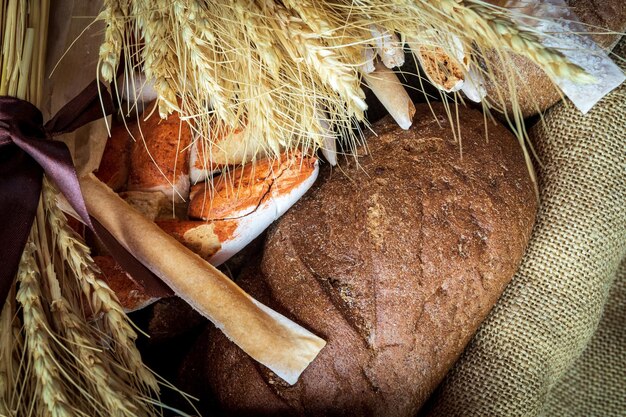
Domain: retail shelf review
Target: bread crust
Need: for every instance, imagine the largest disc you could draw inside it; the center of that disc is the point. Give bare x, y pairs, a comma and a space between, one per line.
395, 262
159, 158
114, 165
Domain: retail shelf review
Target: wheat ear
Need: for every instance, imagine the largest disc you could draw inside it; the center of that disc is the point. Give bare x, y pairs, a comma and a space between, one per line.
158, 52
114, 14
49, 383
332, 71
110, 392
260, 35
81, 339
489, 23
198, 42
311, 14
102, 300
7, 362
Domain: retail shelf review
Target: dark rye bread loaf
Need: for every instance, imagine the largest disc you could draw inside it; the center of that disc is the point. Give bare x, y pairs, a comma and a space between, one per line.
394, 262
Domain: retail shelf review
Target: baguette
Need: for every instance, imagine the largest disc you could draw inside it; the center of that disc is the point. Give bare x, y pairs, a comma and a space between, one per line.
270, 338
385, 84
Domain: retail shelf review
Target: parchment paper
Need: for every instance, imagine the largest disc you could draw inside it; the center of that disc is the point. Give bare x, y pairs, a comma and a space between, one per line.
71, 24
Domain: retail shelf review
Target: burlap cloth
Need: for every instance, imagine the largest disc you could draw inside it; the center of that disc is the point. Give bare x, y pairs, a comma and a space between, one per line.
555, 344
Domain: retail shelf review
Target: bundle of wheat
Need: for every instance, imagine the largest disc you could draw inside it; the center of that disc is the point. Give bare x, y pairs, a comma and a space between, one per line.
66, 346
288, 73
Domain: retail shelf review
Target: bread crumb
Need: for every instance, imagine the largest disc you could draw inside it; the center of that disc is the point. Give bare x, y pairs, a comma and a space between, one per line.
273, 379
203, 240
441, 68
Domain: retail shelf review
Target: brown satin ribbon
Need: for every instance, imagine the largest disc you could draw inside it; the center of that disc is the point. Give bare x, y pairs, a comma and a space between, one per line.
25, 154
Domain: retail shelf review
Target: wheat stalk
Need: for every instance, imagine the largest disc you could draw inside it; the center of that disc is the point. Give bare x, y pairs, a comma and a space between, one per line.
7, 361
52, 361
102, 300
49, 384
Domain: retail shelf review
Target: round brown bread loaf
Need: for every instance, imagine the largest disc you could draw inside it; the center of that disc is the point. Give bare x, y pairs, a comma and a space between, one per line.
536, 92
395, 262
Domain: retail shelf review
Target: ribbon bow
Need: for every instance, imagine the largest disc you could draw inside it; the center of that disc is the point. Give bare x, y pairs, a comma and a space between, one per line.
25, 154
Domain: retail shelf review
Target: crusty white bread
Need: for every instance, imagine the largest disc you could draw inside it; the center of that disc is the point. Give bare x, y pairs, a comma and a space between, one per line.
242, 203
159, 158
232, 147
115, 162
131, 295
